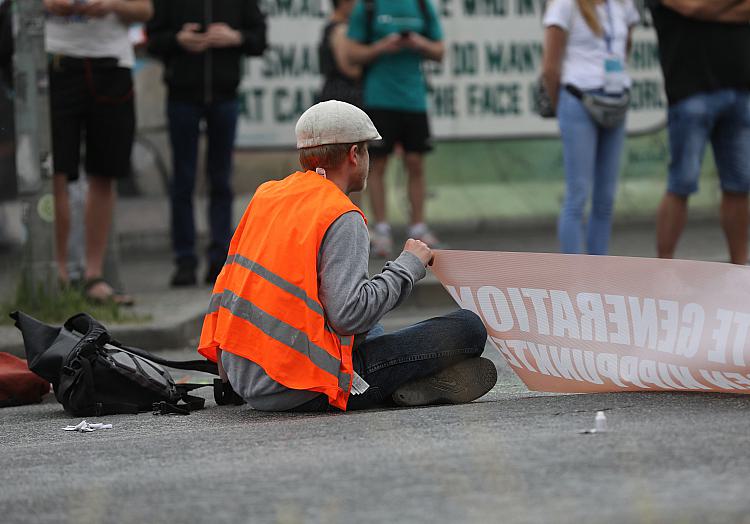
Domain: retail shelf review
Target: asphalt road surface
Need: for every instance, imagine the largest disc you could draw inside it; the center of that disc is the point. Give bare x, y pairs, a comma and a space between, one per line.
513, 456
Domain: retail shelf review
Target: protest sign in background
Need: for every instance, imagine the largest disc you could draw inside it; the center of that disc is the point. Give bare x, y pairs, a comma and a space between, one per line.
578, 323
480, 91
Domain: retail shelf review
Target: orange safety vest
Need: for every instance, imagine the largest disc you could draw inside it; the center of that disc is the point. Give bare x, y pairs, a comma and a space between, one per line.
265, 304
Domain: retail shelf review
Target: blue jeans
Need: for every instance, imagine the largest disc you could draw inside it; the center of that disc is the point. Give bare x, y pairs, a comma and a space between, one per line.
591, 158
388, 361
184, 133
723, 117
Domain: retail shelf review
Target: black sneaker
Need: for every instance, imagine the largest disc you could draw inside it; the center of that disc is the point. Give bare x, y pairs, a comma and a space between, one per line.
212, 273
461, 383
184, 275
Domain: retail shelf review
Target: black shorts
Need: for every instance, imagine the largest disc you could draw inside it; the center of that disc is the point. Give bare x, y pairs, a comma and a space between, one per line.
411, 130
91, 98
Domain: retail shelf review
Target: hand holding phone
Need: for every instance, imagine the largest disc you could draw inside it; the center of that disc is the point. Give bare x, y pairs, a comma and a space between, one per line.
191, 39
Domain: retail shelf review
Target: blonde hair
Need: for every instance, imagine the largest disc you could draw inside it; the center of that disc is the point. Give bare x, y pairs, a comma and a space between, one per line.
588, 12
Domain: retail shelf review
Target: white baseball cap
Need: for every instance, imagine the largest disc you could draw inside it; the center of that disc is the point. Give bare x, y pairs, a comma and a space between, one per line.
334, 122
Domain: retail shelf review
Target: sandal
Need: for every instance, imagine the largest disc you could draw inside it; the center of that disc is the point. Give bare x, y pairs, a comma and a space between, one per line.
111, 296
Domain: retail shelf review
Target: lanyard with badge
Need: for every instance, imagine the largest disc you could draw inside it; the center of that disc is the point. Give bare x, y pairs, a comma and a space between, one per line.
614, 69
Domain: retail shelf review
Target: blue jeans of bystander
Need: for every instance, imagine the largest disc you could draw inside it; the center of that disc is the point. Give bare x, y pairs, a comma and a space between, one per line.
723, 117
591, 158
184, 132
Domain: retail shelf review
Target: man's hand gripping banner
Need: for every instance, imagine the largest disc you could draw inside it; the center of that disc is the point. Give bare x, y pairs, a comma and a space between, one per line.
578, 323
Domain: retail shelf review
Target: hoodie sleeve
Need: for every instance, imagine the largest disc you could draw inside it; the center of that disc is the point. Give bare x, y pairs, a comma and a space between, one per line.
162, 36
253, 29
353, 301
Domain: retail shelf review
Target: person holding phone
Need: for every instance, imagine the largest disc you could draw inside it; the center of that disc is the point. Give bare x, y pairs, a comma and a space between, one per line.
202, 44
390, 39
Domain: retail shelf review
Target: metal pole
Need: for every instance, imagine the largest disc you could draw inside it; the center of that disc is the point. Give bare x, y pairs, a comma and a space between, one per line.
33, 151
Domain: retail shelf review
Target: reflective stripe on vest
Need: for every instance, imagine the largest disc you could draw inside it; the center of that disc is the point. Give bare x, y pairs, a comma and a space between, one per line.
282, 332
265, 304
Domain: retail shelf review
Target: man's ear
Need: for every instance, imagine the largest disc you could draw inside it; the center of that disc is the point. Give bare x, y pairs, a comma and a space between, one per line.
354, 154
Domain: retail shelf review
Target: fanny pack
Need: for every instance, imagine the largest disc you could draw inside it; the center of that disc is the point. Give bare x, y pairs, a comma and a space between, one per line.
606, 110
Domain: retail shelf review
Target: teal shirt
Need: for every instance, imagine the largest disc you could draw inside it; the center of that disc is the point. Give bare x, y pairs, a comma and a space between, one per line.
395, 81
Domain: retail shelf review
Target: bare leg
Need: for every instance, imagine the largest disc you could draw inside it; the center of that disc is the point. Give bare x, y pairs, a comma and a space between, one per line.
414, 163
99, 205
376, 187
62, 224
670, 221
734, 221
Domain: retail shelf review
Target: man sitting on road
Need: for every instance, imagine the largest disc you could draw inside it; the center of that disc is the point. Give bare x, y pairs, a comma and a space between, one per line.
293, 318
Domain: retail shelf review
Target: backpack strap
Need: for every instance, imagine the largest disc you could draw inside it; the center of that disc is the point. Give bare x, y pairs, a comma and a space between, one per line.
189, 404
369, 21
205, 366
425, 16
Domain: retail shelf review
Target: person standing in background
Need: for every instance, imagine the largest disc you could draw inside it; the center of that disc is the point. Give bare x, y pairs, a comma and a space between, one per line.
390, 38
341, 78
202, 44
91, 93
704, 49
586, 43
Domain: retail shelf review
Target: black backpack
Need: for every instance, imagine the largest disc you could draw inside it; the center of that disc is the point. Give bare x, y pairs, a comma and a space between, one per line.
92, 374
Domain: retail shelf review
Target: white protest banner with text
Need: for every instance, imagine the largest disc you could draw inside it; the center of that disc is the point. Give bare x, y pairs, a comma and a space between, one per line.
578, 323
481, 90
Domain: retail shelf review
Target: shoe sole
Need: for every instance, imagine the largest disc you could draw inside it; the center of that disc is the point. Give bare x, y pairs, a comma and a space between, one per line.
459, 384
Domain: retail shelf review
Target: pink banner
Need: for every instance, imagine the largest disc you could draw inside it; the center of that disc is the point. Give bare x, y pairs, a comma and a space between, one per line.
578, 323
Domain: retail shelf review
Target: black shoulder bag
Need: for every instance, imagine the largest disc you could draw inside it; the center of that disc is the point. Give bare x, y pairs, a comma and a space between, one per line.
92, 374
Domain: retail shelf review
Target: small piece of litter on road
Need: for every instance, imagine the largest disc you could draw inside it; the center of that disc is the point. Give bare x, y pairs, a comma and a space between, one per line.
600, 425
86, 427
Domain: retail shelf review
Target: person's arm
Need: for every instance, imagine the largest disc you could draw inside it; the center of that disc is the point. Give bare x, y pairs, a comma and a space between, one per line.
429, 43
555, 39
338, 47
128, 11
161, 34
6, 38
352, 301
362, 54
737, 14
356, 46
629, 42
253, 29
429, 49
707, 10
59, 7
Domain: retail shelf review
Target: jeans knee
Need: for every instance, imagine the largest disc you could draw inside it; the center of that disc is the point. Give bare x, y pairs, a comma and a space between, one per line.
475, 334
601, 209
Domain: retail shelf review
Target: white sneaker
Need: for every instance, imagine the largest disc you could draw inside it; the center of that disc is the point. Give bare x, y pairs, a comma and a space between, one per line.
381, 241
422, 232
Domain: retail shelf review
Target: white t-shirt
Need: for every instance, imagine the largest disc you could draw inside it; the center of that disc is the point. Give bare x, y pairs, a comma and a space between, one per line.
90, 38
585, 52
